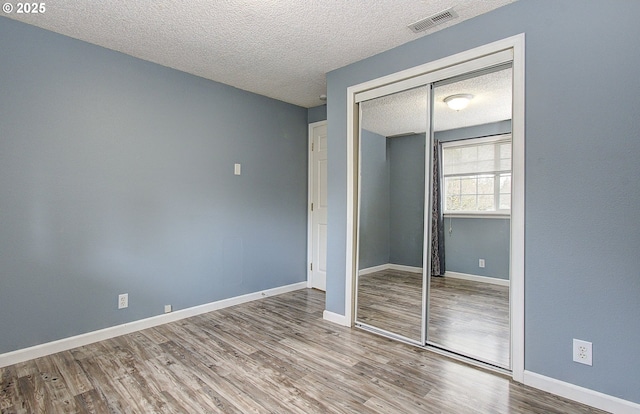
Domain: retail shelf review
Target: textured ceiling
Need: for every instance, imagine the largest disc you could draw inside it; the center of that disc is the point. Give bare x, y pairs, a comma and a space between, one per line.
406, 112
277, 48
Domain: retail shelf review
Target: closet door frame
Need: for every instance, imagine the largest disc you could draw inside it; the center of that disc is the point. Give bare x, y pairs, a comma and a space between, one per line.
512, 49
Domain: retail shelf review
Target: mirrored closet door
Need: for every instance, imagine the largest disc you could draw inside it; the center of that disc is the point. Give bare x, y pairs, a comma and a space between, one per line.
469, 292
390, 282
434, 197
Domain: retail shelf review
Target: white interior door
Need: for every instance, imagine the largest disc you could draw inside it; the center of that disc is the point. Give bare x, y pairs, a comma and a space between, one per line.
318, 196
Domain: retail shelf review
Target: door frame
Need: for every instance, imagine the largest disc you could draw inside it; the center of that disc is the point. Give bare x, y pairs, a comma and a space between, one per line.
310, 189
516, 44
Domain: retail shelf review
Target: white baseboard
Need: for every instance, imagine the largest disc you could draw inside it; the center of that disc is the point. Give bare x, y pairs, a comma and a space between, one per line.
582, 395
373, 269
476, 278
65, 344
389, 266
403, 268
336, 318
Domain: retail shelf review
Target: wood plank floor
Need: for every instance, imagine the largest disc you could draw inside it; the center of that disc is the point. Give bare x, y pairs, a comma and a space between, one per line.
467, 317
276, 355
471, 318
391, 300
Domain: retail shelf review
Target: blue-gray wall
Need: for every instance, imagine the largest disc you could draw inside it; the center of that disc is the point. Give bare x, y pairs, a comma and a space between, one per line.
391, 200
471, 239
116, 175
407, 155
374, 202
317, 114
582, 192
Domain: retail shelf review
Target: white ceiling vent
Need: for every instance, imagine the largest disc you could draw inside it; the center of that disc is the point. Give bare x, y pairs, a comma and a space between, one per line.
433, 20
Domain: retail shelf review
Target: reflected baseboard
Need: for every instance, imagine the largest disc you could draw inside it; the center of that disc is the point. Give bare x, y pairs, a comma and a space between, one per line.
389, 266
453, 275
476, 278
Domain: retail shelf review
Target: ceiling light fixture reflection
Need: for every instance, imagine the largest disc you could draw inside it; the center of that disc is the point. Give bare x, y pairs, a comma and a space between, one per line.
458, 102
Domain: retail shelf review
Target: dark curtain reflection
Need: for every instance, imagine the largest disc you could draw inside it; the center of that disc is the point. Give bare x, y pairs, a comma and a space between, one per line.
437, 222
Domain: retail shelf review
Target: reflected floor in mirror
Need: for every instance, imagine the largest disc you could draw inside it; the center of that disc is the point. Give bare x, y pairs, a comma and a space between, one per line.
470, 318
467, 317
391, 300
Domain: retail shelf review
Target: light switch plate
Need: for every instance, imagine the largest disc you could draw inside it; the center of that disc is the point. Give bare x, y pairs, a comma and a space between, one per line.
237, 169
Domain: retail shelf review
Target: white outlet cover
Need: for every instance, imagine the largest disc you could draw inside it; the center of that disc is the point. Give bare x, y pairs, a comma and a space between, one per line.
123, 300
167, 308
583, 352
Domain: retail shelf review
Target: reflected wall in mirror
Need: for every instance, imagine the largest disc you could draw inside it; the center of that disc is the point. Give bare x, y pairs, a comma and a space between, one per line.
469, 304
389, 289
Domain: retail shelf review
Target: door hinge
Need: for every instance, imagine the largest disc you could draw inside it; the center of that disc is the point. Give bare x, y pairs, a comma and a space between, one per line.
310, 266
311, 206
312, 145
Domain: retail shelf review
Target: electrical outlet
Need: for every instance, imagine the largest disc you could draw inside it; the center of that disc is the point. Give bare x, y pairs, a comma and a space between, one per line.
123, 301
582, 352
480, 262
167, 308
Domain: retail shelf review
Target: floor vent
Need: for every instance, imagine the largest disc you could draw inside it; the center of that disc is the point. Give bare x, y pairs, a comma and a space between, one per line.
433, 20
